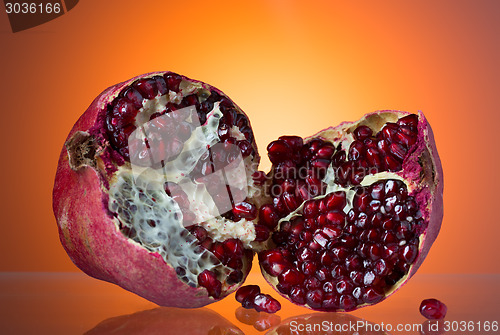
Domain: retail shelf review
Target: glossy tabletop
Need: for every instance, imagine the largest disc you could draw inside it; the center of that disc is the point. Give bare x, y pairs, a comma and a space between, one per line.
73, 303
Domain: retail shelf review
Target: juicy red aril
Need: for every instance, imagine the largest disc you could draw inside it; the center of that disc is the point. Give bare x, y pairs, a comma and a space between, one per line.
294, 142
265, 303
132, 95
147, 87
173, 80
268, 216
433, 309
409, 120
245, 210
362, 132
262, 233
208, 280
247, 291
278, 151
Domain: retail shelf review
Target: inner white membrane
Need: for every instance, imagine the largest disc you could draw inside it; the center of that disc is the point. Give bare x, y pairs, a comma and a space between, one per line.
139, 198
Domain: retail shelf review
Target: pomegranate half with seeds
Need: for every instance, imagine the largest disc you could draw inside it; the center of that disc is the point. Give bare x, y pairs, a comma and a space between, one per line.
157, 190
353, 210
151, 190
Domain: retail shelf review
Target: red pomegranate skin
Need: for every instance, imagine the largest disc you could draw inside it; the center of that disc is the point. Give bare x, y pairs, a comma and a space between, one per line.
430, 200
92, 239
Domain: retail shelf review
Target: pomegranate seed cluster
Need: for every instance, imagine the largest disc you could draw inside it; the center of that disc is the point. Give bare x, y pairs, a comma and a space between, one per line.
340, 240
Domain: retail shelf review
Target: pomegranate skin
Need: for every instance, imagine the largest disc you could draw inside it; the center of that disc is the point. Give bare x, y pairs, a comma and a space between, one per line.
90, 235
429, 188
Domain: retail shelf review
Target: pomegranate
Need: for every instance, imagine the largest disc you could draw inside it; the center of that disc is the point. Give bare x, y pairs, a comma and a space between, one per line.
151, 191
353, 210
433, 309
157, 190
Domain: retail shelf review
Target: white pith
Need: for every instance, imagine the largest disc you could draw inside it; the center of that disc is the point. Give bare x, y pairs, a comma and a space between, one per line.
137, 195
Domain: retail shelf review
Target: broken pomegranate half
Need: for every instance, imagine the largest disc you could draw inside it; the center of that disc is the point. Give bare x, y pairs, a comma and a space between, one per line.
353, 210
153, 190
157, 190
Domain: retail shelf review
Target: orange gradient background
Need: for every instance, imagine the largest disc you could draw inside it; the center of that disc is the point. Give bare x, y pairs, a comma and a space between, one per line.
295, 67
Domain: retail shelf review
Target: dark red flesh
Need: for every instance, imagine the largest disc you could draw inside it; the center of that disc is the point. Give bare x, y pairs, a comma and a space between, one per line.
335, 260
433, 309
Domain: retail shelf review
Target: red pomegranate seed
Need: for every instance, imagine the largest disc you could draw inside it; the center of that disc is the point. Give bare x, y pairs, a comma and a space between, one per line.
298, 295
265, 303
389, 131
208, 280
309, 268
147, 87
247, 291
433, 309
314, 298
325, 152
335, 200
199, 232
362, 132
278, 151
268, 216
409, 120
161, 84
310, 209
392, 164
294, 142
339, 158
234, 247
291, 277
245, 210
398, 151
372, 296
262, 233
173, 80
356, 150
347, 302
290, 201
373, 158
133, 96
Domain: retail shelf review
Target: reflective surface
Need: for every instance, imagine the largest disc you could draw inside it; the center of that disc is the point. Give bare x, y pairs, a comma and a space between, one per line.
73, 303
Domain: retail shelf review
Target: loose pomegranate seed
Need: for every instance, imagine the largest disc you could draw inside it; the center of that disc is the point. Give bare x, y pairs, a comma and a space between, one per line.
247, 291
433, 309
265, 303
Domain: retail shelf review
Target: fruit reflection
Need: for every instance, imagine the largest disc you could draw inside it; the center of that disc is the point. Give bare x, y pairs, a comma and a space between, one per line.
165, 320
327, 324
259, 320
